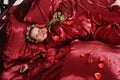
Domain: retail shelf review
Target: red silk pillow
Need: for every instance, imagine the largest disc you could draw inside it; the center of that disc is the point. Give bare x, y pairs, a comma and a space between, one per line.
91, 61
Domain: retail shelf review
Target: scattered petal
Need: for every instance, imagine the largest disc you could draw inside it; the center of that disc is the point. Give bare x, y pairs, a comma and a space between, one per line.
56, 38
97, 75
82, 55
44, 30
102, 59
90, 52
101, 65
68, 22
90, 60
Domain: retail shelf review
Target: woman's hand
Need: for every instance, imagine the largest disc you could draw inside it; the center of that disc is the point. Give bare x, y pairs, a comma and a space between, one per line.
23, 68
116, 3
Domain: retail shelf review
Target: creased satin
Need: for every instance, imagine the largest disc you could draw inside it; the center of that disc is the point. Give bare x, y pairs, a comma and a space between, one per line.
46, 60
111, 36
15, 45
77, 66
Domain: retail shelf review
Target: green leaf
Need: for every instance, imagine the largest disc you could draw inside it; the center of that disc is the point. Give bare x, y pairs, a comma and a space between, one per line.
59, 14
62, 18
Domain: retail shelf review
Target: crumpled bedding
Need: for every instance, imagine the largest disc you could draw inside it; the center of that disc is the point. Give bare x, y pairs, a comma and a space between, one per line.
84, 47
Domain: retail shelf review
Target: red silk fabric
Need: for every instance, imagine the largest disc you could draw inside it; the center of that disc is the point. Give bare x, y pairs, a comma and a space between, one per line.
57, 58
111, 36
78, 66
